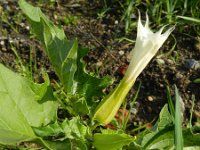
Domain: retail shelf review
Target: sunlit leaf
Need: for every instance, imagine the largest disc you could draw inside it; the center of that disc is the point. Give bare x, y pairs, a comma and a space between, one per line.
178, 121
22, 106
66, 59
111, 141
73, 131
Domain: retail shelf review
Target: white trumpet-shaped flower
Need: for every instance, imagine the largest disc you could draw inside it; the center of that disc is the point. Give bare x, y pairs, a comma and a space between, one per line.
146, 46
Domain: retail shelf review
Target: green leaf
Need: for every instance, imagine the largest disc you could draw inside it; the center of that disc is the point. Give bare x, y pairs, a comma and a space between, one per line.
56, 145
160, 139
89, 87
162, 134
20, 108
197, 80
165, 118
79, 144
77, 105
192, 148
61, 52
111, 141
72, 130
134, 146
191, 136
170, 103
66, 59
178, 121
49, 130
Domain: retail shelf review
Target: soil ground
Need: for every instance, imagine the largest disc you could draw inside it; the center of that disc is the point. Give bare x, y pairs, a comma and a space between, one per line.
108, 54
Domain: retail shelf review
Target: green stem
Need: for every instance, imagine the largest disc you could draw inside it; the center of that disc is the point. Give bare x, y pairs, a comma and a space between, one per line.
108, 108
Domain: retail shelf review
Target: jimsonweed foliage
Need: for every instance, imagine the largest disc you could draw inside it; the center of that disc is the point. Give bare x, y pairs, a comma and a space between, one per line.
29, 110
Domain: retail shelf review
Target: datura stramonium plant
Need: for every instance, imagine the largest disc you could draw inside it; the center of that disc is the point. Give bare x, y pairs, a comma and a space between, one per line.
146, 46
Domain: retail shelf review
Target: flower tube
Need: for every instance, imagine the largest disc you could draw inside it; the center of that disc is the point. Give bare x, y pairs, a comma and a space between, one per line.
146, 46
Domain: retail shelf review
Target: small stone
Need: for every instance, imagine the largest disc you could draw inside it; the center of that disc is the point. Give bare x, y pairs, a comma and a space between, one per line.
4, 49
150, 98
140, 123
198, 44
160, 61
22, 40
133, 16
197, 124
22, 24
197, 114
161, 85
2, 43
98, 64
169, 61
192, 64
55, 17
179, 75
27, 28
116, 21
121, 52
8, 8
134, 111
11, 40
1, 9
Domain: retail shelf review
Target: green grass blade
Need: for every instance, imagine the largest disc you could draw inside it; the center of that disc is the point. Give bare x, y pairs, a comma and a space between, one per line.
178, 122
131, 105
171, 105
18, 59
189, 19
191, 111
